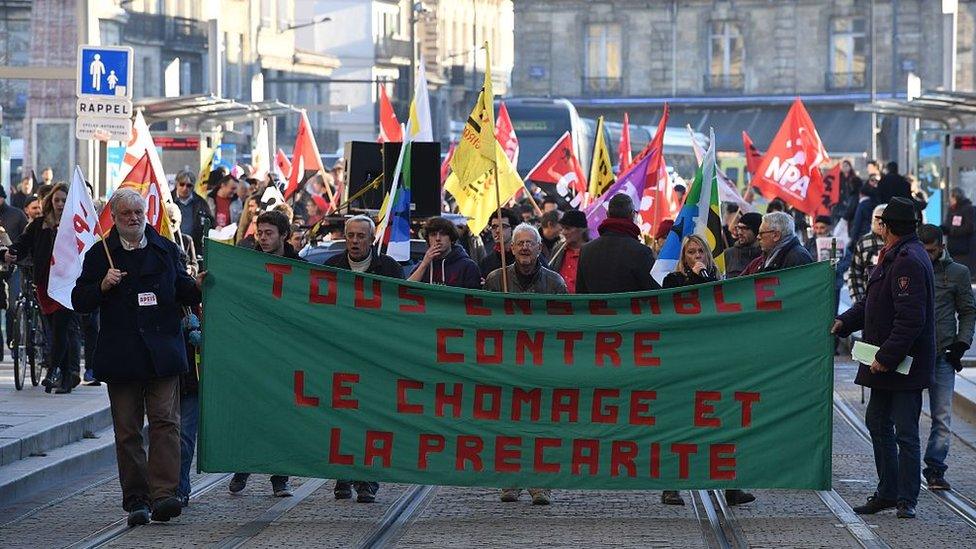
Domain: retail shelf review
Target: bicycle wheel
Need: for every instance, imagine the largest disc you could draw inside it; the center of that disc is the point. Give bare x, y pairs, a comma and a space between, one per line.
17, 347
38, 345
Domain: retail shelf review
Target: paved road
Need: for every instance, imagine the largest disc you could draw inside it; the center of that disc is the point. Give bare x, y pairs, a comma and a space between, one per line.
408, 516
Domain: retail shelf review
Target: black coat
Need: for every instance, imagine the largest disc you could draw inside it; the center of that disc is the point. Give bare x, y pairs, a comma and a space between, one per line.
136, 343
892, 185
615, 262
898, 315
381, 264
793, 254
678, 279
194, 213
959, 227
13, 220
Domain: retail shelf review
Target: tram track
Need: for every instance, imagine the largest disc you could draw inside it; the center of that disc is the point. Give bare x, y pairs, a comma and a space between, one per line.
119, 528
961, 505
399, 516
719, 526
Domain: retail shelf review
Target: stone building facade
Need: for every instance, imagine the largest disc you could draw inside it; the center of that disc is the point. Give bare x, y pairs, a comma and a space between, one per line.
729, 58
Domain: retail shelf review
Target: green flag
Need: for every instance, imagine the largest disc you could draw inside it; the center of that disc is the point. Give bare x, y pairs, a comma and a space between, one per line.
347, 375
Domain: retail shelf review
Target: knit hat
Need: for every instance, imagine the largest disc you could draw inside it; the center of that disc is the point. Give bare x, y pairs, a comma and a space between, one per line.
899, 209
573, 218
752, 220
824, 219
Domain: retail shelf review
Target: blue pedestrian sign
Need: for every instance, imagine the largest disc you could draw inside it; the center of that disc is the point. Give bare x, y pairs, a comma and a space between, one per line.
105, 71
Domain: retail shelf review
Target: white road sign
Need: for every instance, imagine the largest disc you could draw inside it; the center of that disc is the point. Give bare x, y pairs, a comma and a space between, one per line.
114, 107
103, 128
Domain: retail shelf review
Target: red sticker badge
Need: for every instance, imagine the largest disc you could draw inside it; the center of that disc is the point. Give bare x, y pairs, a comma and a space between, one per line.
903, 283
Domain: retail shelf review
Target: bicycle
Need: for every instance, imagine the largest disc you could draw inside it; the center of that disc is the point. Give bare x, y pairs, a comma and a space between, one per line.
27, 339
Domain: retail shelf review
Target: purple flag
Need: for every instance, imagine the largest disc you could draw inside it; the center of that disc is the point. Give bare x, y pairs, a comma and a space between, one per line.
631, 183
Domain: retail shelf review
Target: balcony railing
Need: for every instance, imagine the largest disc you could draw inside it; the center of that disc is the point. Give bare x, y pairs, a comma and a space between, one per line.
725, 82
176, 32
602, 85
846, 80
387, 48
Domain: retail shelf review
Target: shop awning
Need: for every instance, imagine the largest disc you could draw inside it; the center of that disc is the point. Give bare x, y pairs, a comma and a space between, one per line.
952, 109
209, 108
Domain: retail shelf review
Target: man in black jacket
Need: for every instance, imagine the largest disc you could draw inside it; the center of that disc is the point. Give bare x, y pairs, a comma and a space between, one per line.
893, 184
781, 249
898, 317
616, 261
193, 209
140, 351
360, 256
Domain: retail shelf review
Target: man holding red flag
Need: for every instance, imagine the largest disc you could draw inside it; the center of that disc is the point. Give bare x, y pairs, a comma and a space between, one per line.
790, 169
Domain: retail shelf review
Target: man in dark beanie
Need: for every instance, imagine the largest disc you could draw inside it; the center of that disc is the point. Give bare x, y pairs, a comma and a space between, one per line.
746, 247
617, 261
897, 316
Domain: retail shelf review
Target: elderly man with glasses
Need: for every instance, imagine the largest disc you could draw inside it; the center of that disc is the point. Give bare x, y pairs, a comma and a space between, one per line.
781, 249
193, 209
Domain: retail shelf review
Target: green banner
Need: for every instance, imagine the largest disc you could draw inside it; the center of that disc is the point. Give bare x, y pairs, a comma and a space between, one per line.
314, 372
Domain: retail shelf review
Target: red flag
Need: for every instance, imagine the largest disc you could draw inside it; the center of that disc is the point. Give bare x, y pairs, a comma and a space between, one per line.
753, 156
283, 165
446, 164
390, 129
659, 202
305, 159
624, 156
560, 174
790, 168
831, 193
505, 134
142, 179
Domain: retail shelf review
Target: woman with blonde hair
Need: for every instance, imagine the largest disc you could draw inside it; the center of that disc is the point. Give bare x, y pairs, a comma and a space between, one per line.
695, 264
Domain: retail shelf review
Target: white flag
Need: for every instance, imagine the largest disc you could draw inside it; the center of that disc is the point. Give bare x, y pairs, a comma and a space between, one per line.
76, 235
260, 159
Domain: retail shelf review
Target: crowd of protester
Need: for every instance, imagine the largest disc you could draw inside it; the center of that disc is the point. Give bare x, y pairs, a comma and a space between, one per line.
525, 249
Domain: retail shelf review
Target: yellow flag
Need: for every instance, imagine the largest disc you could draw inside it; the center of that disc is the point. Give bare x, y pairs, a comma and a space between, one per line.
205, 169
476, 197
485, 109
601, 169
476, 161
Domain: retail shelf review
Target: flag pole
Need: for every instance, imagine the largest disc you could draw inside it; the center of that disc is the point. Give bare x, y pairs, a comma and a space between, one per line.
98, 227
501, 228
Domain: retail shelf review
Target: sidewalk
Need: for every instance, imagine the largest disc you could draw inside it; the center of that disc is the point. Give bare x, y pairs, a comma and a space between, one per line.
45, 436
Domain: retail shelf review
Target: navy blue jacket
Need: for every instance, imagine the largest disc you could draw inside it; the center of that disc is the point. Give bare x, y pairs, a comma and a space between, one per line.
898, 315
136, 343
456, 269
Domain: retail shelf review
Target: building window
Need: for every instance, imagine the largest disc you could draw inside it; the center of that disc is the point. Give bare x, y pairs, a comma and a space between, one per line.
848, 59
604, 59
726, 57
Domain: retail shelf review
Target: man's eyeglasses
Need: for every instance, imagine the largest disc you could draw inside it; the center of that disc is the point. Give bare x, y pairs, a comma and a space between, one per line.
760, 233
184, 184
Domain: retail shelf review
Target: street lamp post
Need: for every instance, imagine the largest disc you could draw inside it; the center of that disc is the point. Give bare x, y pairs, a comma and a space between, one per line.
416, 10
949, 22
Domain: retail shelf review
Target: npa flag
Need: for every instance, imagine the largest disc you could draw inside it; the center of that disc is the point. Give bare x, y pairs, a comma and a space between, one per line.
139, 144
753, 156
479, 164
791, 167
505, 134
390, 129
700, 215
624, 156
75, 236
633, 184
305, 159
142, 179
601, 170
560, 175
